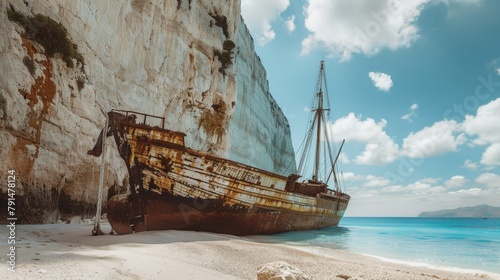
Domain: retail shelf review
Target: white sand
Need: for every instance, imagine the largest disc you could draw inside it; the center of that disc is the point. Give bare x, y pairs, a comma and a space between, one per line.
70, 252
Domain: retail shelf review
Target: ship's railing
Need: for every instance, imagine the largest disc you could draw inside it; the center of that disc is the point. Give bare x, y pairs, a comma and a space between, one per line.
334, 193
142, 118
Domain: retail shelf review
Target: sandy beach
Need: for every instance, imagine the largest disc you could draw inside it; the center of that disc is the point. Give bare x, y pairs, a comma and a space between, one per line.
69, 251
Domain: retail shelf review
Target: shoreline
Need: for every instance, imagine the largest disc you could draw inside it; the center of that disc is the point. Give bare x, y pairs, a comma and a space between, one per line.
54, 251
324, 251
394, 261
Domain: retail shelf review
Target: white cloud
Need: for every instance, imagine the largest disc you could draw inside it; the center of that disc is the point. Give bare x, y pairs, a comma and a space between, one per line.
495, 65
442, 137
379, 147
455, 181
259, 14
467, 193
420, 188
485, 123
412, 114
486, 127
490, 180
344, 158
439, 138
360, 26
290, 23
491, 155
375, 181
447, 135
417, 188
470, 165
422, 195
350, 176
381, 81
370, 181
393, 189
431, 181
407, 117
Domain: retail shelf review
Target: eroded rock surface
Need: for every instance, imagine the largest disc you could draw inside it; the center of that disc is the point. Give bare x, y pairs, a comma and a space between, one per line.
166, 58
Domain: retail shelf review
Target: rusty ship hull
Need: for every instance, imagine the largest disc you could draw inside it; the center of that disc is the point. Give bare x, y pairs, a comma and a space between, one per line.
210, 215
174, 187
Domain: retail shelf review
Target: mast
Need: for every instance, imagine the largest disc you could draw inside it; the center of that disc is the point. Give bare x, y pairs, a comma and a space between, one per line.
319, 118
321, 154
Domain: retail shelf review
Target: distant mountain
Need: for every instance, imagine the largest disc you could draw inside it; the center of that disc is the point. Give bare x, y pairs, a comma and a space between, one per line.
480, 211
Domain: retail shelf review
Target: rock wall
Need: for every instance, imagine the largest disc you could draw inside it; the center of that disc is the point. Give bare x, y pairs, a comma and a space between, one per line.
167, 58
259, 130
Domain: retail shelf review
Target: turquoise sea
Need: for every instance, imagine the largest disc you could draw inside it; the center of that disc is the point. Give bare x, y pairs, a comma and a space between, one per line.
466, 243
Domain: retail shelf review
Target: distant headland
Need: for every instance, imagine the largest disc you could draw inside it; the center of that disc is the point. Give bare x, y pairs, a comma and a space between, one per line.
480, 211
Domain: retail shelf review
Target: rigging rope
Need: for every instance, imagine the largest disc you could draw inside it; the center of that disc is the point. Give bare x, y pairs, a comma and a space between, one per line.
306, 147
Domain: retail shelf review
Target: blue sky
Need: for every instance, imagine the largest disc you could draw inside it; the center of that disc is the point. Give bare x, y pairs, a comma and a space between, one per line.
414, 89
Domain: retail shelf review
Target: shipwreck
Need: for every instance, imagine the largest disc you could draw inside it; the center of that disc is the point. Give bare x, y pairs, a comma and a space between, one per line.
175, 187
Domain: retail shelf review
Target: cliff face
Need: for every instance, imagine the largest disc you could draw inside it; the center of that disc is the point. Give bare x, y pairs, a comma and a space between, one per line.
170, 58
259, 130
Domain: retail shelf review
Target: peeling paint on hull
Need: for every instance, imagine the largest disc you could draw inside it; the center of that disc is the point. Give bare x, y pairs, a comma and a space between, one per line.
174, 187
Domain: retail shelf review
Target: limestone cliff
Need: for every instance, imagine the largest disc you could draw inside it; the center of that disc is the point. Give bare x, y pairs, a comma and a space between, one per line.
191, 61
259, 130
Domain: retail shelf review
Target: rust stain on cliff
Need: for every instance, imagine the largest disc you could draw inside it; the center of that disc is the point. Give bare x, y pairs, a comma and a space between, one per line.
29, 47
42, 91
216, 121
